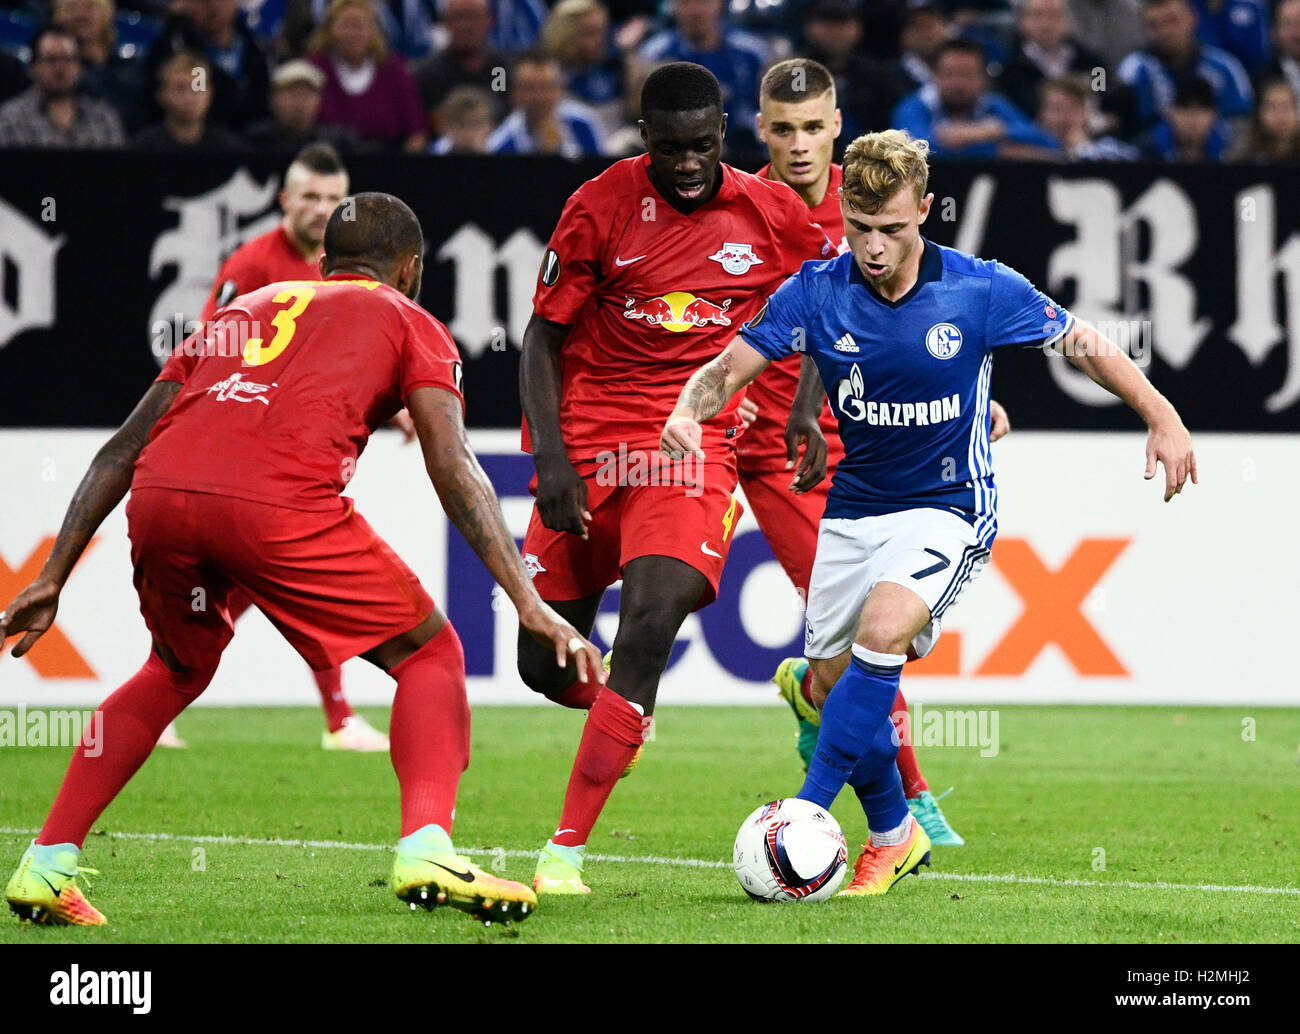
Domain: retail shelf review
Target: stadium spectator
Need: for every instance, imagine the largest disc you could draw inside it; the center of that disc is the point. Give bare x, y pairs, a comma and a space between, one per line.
1274, 133
577, 35
13, 76
1065, 113
543, 122
367, 88
963, 118
295, 105
925, 30
1111, 27
104, 73
185, 95
1045, 48
51, 113
1286, 45
1193, 130
864, 88
240, 78
516, 24
466, 60
466, 116
408, 25
1238, 26
737, 58
1173, 56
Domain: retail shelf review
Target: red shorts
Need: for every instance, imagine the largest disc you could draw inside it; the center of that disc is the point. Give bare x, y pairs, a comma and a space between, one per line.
691, 523
331, 586
789, 522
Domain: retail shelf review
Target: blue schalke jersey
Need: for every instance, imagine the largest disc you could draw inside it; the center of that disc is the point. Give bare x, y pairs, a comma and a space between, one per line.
909, 380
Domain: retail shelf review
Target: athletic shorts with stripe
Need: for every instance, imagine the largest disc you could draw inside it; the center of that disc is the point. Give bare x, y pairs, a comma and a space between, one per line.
933, 552
692, 522
324, 578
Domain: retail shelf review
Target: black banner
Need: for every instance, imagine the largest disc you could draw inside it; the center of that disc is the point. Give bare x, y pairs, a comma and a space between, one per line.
1196, 269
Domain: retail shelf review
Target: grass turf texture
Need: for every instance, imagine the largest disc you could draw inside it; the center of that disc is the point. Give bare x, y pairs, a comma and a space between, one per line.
1172, 796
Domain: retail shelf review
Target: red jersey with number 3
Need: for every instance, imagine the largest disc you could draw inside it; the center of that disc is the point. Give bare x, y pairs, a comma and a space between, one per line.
653, 294
289, 384
267, 259
763, 447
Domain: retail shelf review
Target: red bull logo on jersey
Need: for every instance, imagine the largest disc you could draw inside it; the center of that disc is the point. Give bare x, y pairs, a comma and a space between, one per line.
678, 311
236, 388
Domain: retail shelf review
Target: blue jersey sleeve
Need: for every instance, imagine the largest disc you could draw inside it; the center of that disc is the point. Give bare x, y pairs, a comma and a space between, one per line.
1020, 314
781, 326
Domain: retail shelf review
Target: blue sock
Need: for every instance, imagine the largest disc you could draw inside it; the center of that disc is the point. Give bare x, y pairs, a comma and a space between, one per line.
877, 783
851, 718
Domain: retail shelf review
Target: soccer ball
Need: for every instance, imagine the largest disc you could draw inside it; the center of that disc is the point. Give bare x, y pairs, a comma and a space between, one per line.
790, 850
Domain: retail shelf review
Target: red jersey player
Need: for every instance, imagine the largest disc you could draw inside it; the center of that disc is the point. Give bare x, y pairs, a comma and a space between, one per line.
799, 122
314, 184
263, 516
653, 265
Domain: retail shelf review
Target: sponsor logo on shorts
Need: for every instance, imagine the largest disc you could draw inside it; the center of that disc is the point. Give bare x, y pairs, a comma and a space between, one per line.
704, 548
237, 389
532, 565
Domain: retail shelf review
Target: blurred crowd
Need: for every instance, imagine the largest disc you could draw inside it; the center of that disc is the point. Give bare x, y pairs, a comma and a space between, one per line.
1053, 80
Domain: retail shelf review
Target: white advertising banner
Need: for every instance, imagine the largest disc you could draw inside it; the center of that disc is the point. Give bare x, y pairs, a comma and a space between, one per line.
1097, 591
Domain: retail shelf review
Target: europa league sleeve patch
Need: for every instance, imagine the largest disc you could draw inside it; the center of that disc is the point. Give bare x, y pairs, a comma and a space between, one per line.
550, 267
226, 293
759, 317
458, 376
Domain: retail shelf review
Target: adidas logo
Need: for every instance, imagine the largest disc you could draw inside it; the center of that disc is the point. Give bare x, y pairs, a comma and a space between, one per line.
847, 344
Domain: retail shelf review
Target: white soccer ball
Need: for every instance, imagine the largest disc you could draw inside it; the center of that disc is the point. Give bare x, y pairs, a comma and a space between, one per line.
790, 850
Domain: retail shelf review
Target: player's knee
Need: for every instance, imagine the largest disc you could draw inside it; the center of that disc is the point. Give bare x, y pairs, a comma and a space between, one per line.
538, 669
887, 634
645, 638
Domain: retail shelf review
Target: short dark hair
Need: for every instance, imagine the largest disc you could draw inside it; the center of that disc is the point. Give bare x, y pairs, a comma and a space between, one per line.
321, 159
50, 29
373, 229
1194, 91
680, 86
536, 57
781, 79
964, 45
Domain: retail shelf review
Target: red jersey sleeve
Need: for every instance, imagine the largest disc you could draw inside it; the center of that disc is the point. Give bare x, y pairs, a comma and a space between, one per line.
180, 364
233, 279
804, 240
430, 359
571, 265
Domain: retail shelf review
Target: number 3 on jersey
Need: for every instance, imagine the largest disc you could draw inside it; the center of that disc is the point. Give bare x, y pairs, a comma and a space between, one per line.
257, 354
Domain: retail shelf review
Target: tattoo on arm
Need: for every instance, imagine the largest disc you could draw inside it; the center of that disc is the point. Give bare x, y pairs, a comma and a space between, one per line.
706, 392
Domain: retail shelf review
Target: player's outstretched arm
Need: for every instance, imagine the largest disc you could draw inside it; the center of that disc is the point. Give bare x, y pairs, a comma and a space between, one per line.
561, 493
105, 483
803, 429
1168, 441
472, 505
705, 395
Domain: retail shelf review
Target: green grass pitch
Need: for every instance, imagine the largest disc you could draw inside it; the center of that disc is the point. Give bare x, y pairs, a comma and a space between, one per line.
1193, 818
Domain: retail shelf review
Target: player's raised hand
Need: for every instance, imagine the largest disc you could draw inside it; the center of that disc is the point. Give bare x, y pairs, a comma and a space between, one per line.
549, 629
803, 431
748, 411
1001, 423
1170, 443
32, 611
562, 497
682, 436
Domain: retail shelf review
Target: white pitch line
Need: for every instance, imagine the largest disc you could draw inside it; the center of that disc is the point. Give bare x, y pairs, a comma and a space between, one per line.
691, 863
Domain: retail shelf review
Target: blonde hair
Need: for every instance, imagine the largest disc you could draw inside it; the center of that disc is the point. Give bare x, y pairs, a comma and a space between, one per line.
320, 40
107, 32
878, 165
562, 25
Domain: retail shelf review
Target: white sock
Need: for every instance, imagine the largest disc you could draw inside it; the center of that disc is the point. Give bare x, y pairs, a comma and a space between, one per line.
892, 837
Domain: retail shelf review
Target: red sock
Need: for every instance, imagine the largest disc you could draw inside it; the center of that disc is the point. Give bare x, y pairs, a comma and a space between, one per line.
614, 731
330, 684
429, 731
580, 696
805, 687
908, 767
124, 731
